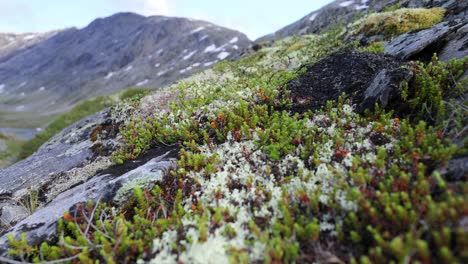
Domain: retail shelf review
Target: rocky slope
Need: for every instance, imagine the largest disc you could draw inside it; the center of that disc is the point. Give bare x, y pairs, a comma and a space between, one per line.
113, 53
10, 42
341, 12
316, 149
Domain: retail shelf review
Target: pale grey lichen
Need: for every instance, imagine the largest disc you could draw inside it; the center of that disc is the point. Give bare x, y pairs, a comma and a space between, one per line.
63, 181
143, 177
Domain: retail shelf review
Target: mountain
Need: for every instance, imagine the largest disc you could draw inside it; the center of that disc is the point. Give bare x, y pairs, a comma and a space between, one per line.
341, 12
124, 50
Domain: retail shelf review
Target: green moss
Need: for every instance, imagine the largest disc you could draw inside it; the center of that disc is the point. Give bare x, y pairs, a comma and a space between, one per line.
392, 8
400, 21
376, 47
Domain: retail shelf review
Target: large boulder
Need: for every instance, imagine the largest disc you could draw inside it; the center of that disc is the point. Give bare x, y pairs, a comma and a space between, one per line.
41, 225
449, 38
66, 160
69, 149
365, 77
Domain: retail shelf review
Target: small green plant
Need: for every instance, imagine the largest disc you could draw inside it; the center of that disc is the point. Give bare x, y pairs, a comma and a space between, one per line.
392, 8
133, 93
376, 47
31, 200
434, 94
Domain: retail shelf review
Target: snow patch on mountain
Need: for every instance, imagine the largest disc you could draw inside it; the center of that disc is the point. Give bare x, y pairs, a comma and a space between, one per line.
313, 16
188, 56
109, 75
347, 3
223, 55
142, 83
197, 30
211, 48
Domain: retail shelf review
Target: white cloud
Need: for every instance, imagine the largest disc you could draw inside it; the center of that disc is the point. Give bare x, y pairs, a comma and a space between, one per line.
12, 14
160, 7
145, 7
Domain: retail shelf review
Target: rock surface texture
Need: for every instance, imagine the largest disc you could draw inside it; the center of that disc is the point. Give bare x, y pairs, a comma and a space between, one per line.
69, 149
41, 225
448, 38
367, 78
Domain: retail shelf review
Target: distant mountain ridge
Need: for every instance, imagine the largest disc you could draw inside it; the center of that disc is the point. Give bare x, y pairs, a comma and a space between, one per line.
110, 54
13, 42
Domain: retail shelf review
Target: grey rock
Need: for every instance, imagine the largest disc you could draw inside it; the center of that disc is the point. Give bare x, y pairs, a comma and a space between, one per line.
144, 177
69, 149
41, 225
424, 43
457, 170
457, 47
110, 54
11, 213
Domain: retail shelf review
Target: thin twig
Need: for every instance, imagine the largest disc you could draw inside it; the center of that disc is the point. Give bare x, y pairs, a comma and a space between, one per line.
81, 232
90, 219
11, 261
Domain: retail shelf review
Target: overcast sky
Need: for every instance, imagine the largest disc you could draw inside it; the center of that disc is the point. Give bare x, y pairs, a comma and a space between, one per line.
253, 17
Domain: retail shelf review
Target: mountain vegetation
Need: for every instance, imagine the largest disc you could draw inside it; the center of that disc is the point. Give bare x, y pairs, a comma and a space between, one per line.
268, 166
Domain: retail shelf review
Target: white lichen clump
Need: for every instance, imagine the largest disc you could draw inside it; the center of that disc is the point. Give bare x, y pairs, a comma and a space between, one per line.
246, 186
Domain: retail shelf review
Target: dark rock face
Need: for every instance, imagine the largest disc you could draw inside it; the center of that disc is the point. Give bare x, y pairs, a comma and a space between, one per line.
366, 78
113, 53
450, 38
